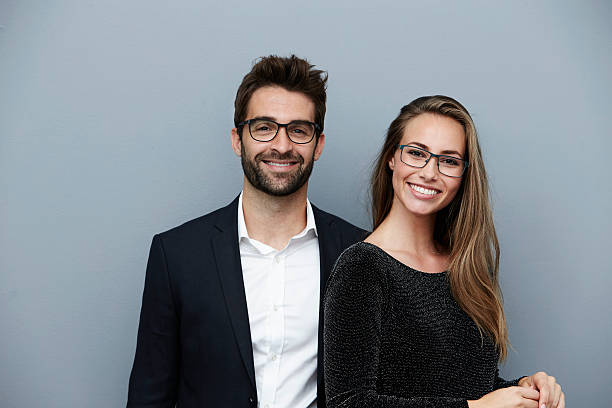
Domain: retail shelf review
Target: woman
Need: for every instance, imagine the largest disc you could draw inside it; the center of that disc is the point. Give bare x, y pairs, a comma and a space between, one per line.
414, 315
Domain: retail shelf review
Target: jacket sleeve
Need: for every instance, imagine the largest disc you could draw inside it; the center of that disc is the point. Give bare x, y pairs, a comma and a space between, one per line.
154, 377
354, 309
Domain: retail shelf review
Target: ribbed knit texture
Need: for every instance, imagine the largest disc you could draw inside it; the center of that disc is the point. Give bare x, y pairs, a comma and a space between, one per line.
395, 337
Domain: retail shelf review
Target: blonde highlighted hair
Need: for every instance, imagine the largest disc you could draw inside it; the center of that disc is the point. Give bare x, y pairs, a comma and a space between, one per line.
465, 226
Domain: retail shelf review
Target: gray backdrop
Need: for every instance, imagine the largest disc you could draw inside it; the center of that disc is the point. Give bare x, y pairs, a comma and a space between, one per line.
115, 119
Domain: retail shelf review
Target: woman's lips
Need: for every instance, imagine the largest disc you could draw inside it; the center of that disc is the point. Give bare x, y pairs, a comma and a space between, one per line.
423, 192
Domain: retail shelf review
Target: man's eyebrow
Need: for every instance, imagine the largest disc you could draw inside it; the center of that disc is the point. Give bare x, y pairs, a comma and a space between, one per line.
422, 146
273, 119
265, 118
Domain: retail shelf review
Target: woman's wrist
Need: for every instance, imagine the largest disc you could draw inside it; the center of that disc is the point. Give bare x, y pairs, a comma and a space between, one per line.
474, 404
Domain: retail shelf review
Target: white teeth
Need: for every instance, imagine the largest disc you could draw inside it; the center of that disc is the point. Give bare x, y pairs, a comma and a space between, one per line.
279, 164
423, 190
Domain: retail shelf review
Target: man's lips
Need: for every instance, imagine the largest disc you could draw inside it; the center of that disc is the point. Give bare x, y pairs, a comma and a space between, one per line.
280, 165
277, 163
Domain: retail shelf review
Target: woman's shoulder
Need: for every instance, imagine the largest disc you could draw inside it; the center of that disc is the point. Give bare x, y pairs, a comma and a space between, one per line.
361, 254
361, 262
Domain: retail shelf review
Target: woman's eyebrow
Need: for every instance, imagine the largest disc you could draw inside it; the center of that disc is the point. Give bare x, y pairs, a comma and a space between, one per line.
452, 152
422, 146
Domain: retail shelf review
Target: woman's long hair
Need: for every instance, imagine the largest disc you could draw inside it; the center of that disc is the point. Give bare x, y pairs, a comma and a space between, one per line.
465, 226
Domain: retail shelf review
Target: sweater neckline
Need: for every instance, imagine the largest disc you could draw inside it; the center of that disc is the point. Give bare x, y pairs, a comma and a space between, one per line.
397, 261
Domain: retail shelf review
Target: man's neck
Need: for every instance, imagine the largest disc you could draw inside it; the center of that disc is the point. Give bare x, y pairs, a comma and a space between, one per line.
273, 220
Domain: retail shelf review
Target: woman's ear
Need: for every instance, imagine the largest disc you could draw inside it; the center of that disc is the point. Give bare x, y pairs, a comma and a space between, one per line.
392, 163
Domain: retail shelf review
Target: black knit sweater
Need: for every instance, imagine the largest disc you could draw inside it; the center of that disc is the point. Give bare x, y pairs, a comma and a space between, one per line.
395, 337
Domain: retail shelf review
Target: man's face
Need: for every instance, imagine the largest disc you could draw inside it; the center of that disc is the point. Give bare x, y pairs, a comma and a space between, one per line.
278, 167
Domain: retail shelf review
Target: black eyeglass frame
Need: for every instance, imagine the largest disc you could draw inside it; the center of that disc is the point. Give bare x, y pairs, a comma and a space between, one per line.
437, 156
248, 122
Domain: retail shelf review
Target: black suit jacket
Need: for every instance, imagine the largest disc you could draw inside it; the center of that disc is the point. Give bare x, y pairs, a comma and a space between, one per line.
194, 342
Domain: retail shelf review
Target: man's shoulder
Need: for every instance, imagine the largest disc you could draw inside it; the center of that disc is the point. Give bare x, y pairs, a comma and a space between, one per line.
217, 220
324, 218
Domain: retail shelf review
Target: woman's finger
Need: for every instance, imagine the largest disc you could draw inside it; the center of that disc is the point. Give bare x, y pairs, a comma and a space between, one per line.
529, 393
544, 395
557, 396
540, 379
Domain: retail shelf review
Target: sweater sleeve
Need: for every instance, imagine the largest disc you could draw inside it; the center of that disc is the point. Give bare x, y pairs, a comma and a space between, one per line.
354, 307
501, 383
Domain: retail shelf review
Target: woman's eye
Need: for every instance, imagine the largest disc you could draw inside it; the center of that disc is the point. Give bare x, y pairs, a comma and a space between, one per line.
449, 161
416, 153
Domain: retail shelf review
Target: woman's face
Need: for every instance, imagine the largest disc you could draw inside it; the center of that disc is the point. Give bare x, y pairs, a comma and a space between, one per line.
425, 191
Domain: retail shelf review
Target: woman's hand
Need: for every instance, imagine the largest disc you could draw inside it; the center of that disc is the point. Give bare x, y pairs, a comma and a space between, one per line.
510, 397
551, 395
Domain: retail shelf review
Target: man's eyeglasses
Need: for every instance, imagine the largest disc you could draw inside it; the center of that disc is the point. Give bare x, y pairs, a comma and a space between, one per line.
264, 130
416, 157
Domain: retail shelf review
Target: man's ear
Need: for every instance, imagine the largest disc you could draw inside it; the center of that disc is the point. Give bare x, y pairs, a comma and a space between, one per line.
236, 142
320, 145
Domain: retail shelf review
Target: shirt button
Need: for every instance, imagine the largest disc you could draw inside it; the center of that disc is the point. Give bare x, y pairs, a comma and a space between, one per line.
275, 308
273, 356
277, 260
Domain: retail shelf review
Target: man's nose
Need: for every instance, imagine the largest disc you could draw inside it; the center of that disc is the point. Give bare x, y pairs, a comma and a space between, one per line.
281, 142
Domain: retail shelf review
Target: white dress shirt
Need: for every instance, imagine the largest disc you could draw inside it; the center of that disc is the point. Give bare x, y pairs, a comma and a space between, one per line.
282, 293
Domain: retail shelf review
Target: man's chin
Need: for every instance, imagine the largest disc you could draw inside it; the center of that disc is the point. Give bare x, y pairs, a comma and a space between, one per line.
278, 190
274, 183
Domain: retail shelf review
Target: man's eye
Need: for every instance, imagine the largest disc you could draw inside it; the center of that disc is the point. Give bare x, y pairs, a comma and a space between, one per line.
300, 129
263, 127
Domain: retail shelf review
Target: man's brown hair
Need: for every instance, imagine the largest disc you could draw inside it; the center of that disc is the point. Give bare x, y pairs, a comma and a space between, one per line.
291, 73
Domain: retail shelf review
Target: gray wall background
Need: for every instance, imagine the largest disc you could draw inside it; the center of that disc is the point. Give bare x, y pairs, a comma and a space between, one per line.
115, 119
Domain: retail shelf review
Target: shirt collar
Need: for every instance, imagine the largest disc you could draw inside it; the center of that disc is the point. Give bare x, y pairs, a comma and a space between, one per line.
310, 221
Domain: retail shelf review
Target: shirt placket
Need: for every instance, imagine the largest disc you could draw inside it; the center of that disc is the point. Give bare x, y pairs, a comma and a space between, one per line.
276, 328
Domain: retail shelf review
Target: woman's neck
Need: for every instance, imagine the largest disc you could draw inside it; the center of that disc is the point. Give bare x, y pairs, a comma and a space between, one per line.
410, 238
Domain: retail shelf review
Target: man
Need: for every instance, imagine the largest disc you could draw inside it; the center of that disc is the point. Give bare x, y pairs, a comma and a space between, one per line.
231, 311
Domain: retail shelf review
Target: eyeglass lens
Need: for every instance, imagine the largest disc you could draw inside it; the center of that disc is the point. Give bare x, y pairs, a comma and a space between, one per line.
447, 165
298, 131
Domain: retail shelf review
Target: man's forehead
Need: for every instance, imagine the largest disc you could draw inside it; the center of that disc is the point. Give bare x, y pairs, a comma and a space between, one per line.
275, 102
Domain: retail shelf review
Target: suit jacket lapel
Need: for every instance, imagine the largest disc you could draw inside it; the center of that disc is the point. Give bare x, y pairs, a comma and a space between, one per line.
329, 245
227, 257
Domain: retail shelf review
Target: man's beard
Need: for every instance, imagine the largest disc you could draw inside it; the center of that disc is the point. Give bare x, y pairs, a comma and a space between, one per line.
281, 184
